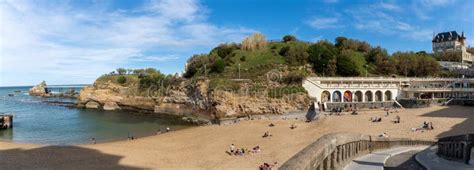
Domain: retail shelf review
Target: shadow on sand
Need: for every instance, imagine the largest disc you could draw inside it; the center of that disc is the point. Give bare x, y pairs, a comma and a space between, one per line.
59, 157
465, 127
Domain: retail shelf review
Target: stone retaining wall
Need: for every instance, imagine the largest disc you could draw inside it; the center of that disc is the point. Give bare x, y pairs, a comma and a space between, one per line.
334, 151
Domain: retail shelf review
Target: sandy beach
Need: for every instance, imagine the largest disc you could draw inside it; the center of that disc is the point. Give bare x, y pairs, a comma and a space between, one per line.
204, 147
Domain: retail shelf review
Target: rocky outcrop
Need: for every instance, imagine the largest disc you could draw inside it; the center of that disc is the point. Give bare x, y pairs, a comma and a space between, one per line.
92, 105
229, 104
191, 100
42, 91
39, 90
111, 106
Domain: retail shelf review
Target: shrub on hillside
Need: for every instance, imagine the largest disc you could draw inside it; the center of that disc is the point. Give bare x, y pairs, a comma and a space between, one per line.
224, 50
121, 79
294, 77
218, 66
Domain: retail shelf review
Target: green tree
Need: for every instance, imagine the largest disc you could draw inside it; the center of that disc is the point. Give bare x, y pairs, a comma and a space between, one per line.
218, 66
196, 64
340, 42
350, 63
121, 71
322, 56
295, 55
289, 38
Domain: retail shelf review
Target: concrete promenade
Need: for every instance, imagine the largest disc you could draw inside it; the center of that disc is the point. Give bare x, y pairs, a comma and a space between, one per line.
376, 160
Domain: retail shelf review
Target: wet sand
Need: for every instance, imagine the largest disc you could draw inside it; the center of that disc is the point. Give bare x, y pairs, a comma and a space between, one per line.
204, 147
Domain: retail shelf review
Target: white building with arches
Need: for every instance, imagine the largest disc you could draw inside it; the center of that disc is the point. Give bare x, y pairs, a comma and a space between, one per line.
351, 90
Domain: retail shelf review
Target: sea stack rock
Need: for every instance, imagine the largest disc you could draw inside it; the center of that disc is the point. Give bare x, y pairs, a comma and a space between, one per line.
39, 90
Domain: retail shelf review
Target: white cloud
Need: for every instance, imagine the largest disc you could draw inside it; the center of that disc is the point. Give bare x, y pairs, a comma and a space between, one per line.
324, 22
384, 22
389, 6
56, 41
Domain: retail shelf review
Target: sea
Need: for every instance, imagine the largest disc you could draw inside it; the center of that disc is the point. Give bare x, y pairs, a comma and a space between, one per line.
37, 121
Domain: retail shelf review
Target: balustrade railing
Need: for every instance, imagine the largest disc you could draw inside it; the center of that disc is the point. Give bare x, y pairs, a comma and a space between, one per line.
334, 151
458, 148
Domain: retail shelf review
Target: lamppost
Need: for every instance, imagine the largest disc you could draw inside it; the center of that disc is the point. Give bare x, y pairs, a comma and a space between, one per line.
239, 70
406, 73
324, 68
365, 70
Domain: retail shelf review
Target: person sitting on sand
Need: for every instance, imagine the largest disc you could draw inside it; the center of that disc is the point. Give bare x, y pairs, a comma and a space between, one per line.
266, 134
383, 135
397, 119
256, 149
354, 112
293, 126
425, 125
271, 125
232, 148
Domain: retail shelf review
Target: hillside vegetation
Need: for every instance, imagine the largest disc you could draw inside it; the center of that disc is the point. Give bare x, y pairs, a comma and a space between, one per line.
257, 63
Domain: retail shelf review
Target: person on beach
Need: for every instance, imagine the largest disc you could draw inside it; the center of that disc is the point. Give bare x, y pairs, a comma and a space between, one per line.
266, 134
397, 119
167, 129
232, 147
293, 126
93, 140
431, 126
425, 125
271, 125
159, 132
387, 114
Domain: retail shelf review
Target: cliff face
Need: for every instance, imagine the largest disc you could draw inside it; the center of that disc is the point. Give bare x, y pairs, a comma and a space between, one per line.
190, 99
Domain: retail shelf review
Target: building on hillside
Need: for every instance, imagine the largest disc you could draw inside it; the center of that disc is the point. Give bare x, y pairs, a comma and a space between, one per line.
452, 42
384, 91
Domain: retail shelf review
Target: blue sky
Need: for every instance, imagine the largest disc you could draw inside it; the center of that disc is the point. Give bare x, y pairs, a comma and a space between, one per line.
74, 42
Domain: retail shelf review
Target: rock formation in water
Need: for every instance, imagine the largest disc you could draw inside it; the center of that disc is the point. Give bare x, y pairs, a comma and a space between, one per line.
39, 90
42, 91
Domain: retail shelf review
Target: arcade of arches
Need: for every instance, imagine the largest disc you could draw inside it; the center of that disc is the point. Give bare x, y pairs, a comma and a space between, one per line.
356, 96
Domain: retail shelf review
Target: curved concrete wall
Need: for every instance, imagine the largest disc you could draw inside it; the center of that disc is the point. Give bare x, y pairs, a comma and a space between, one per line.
334, 151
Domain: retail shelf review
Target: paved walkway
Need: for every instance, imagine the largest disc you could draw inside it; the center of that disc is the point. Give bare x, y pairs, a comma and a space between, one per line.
376, 160
431, 161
